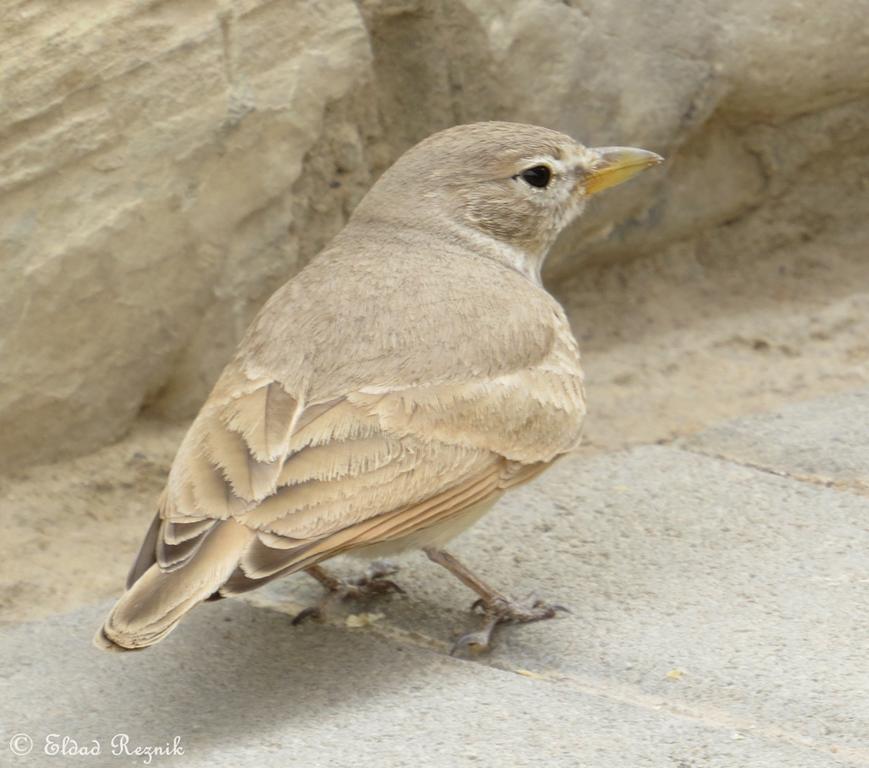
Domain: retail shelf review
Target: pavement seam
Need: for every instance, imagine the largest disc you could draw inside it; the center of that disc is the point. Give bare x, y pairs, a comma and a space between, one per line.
815, 480
709, 717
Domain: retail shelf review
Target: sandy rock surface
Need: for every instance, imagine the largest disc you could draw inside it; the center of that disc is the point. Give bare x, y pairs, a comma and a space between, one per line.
165, 166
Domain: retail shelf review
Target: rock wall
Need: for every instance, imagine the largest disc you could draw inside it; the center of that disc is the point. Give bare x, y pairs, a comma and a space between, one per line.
165, 165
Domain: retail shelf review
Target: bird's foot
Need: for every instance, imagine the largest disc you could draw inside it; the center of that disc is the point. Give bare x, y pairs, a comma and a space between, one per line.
372, 583
495, 607
498, 609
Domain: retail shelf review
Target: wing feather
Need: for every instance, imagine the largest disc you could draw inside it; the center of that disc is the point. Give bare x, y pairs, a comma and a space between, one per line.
179, 542
264, 418
314, 479
262, 560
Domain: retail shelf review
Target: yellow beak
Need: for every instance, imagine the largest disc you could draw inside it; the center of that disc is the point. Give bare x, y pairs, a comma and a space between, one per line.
617, 164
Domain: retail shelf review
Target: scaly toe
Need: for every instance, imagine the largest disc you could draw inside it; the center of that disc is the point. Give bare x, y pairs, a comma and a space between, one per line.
314, 612
367, 588
519, 611
387, 585
377, 569
370, 584
475, 642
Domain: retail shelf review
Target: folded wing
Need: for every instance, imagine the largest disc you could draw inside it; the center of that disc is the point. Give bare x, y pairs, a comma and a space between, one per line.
265, 484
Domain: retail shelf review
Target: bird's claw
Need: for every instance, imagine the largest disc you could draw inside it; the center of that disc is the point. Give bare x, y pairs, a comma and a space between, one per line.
380, 568
502, 610
363, 587
312, 612
476, 642
372, 582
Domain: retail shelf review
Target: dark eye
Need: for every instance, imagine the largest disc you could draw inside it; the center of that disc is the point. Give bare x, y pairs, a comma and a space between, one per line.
538, 176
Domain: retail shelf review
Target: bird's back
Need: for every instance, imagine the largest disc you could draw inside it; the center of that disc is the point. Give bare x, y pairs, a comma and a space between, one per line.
390, 315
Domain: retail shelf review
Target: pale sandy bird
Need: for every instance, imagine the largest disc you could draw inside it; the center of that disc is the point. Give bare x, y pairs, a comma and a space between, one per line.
387, 395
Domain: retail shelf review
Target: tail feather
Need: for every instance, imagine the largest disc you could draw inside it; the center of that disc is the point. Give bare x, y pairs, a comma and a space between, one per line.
147, 552
156, 602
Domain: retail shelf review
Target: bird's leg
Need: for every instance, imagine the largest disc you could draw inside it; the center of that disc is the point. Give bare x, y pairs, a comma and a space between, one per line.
496, 607
372, 582
332, 583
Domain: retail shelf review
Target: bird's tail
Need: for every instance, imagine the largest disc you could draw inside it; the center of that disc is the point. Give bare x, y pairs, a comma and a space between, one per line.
157, 600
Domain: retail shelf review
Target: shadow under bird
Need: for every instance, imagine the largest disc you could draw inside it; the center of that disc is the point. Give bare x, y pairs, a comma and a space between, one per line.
388, 394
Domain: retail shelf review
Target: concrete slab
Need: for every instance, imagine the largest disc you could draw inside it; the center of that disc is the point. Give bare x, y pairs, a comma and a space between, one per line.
824, 440
240, 686
726, 594
719, 619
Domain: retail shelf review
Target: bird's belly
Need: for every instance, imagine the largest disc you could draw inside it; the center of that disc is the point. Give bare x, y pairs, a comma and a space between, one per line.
437, 535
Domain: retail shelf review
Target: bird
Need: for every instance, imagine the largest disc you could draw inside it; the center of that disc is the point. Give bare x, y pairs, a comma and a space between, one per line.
388, 394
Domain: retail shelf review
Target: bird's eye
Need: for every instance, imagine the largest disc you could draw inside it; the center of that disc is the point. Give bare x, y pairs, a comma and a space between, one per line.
538, 176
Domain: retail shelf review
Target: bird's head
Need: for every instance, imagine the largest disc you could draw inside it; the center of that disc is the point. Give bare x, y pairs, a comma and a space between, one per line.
518, 184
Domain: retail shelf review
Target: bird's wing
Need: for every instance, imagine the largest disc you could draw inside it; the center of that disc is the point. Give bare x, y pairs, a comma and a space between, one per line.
309, 480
